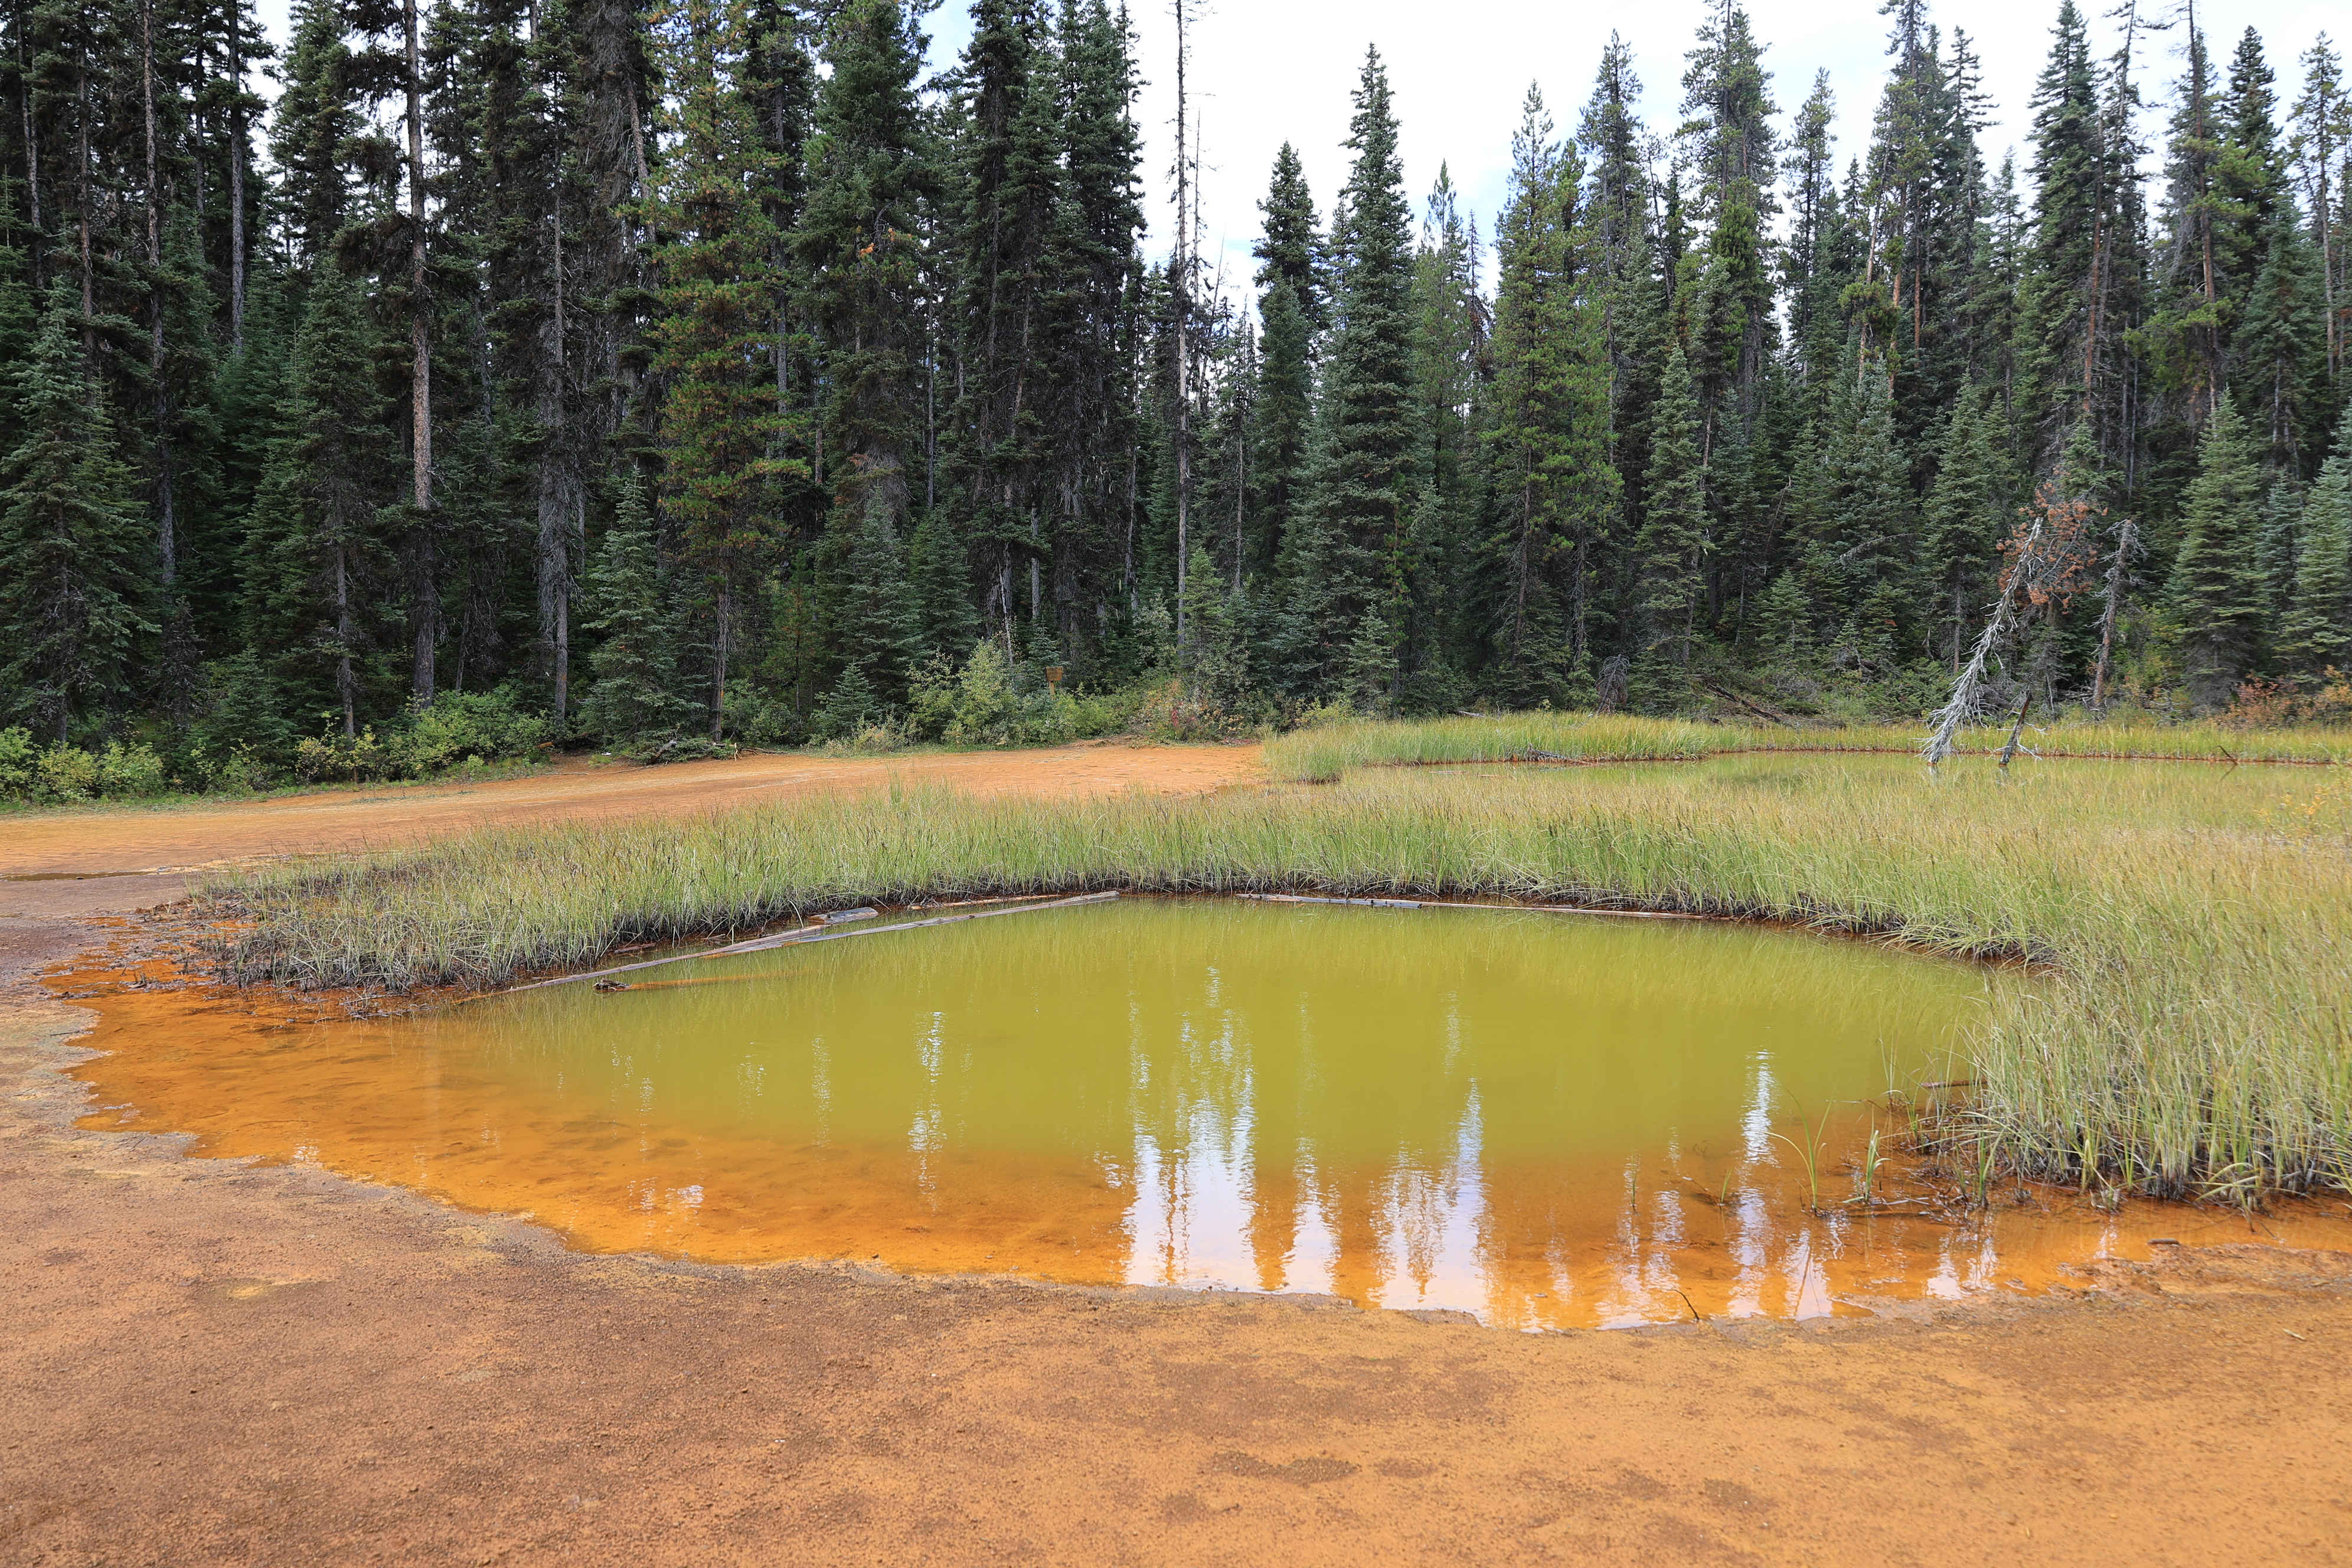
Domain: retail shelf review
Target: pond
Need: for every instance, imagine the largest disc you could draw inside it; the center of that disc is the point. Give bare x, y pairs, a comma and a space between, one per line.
1541, 1119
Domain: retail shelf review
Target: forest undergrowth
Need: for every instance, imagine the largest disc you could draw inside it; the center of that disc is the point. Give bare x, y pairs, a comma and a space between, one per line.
2188, 1032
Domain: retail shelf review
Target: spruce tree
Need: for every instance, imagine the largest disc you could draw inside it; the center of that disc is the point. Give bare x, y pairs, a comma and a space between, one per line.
939, 588
1966, 520
1554, 494
1363, 480
633, 696
2317, 634
1727, 105
1282, 407
877, 629
862, 244
315, 552
1673, 546
1289, 247
74, 583
2216, 583
2069, 218
720, 426
1863, 569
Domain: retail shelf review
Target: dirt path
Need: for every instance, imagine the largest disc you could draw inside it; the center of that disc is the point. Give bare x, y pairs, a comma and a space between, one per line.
72, 863
208, 1363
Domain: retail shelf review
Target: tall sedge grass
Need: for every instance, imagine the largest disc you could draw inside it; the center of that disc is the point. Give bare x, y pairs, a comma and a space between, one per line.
1321, 755
2192, 1032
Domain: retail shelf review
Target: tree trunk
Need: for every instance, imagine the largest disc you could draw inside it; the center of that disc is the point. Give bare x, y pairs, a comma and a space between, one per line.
2116, 571
37, 249
236, 157
88, 288
427, 588
719, 661
167, 551
345, 688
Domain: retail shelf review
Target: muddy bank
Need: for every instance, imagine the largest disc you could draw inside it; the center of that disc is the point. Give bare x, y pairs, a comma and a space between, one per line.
219, 1364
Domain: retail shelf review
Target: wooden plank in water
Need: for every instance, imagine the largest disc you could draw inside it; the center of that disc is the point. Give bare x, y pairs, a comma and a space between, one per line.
1446, 904
794, 938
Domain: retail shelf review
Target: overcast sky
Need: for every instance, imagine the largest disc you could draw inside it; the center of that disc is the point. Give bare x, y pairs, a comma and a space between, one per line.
1266, 71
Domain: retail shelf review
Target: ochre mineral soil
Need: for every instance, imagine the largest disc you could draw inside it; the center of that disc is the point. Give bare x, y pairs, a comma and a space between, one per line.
211, 1361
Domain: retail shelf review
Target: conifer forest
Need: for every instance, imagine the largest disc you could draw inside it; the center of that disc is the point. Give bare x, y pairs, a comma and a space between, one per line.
717, 372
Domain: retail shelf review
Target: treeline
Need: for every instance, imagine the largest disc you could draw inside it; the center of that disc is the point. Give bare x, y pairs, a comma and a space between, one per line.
672, 378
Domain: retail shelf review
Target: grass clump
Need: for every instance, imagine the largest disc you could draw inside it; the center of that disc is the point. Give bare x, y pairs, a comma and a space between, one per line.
2193, 1034
1321, 755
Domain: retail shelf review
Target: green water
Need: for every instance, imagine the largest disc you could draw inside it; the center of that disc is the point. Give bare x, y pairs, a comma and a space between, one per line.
1417, 1108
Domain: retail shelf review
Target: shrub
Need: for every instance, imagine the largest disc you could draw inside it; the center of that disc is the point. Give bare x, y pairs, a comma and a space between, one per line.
234, 769
994, 700
66, 772
1173, 712
462, 727
19, 763
334, 758
130, 770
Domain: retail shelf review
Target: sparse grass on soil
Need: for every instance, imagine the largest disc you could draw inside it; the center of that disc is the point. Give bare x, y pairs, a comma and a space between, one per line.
2192, 1036
1322, 753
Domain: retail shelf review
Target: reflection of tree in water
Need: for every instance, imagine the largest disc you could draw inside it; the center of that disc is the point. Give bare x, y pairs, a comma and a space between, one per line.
1413, 1108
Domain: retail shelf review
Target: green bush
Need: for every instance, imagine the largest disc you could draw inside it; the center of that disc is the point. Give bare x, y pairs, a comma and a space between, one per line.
130, 770
457, 729
235, 768
334, 758
995, 701
67, 773
57, 773
19, 763
466, 727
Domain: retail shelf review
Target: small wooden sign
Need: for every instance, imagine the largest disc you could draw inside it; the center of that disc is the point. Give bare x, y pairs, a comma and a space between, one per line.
1054, 675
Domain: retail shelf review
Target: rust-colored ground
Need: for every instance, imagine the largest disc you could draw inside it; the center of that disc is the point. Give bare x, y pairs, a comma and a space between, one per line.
210, 1362
172, 839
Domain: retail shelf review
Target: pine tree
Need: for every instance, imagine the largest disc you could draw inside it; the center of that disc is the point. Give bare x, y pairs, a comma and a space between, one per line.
2317, 634
2070, 217
1728, 103
316, 555
1966, 517
1283, 409
1554, 496
634, 697
73, 554
1673, 546
861, 241
939, 581
1363, 480
1450, 320
1862, 568
2216, 583
720, 426
876, 627
1290, 248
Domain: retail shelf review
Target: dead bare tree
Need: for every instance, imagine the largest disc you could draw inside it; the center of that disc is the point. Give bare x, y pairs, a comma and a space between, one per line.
1968, 687
2049, 555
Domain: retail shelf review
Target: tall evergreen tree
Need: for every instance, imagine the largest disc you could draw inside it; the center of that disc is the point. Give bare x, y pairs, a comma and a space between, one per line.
1290, 248
316, 554
1554, 499
2317, 634
73, 557
2217, 580
1673, 547
861, 241
720, 426
1363, 480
